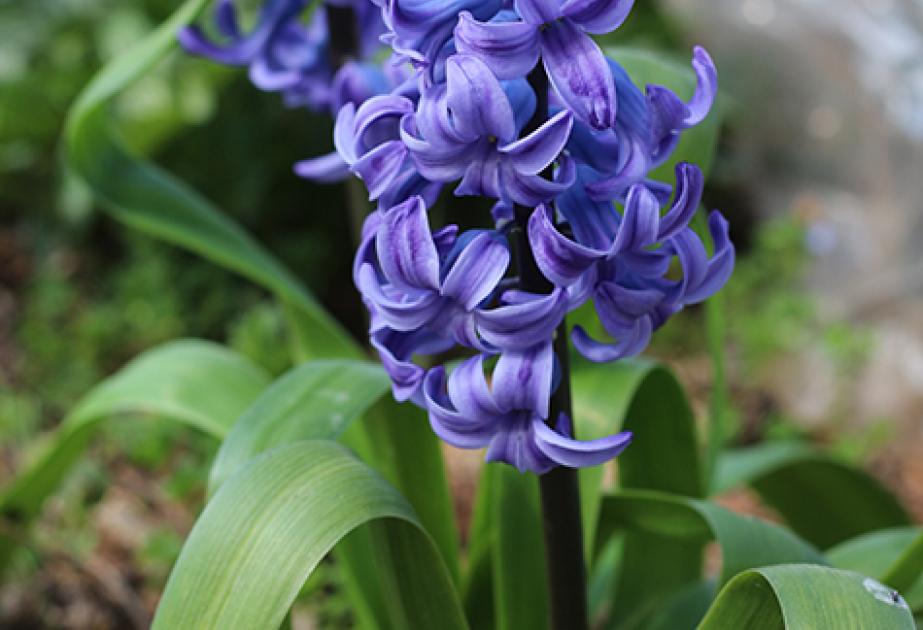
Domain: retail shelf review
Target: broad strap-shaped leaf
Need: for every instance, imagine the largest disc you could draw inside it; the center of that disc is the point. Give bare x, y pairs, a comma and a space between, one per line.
746, 542
891, 556
396, 440
273, 521
520, 577
320, 400
822, 499
316, 400
198, 383
645, 398
682, 524
145, 197
797, 597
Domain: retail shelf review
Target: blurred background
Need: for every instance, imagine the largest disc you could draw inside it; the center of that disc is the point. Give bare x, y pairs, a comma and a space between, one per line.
819, 170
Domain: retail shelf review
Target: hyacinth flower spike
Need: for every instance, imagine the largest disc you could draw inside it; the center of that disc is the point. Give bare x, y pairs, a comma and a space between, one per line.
508, 416
467, 130
558, 32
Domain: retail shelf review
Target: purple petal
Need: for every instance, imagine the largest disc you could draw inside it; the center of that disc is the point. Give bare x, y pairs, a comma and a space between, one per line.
482, 175
689, 185
597, 16
538, 11
226, 19
477, 271
380, 166
443, 162
572, 453
515, 445
721, 264
620, 307
326, 168
400, 311
560, 259
579, 73
522, 380
396, 350
469, 392
476, 99
405, 246
532, 190
449, 424
526, 323
706, 87
628, 345
344, 135
534, 153
639, 225
511, 49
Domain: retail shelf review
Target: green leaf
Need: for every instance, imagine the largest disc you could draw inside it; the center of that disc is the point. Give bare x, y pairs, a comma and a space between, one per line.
316, 400
520, 579
270, 524
143, 196
797, 597
645, 398
396, 440
646, 67
890, 556
823, 500
319, 400
675, 522
906, 574
198, 383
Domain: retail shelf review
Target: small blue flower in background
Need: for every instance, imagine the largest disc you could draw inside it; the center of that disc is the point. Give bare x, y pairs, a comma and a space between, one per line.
286, 55
455, 107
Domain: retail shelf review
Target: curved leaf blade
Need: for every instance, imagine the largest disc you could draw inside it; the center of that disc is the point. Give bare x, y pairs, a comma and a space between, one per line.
792, 597
645, 398
145, 197
271, 523
198, 383
746, 542
316, 400
823, 500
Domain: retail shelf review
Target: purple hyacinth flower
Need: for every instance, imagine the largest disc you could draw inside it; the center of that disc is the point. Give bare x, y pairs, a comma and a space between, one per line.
369, 144
286, 55
558, 32
647, 130
508, 416
415, 286
467, 129
621, 261
420, 31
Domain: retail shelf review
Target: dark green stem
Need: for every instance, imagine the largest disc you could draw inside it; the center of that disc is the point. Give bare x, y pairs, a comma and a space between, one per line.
560, 491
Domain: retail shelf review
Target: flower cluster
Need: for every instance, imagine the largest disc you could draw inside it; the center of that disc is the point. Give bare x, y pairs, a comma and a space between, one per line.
566, 159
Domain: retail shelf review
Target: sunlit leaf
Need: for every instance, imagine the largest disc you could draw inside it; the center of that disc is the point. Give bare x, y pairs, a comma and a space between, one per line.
316, 400
274, 520
197, 383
